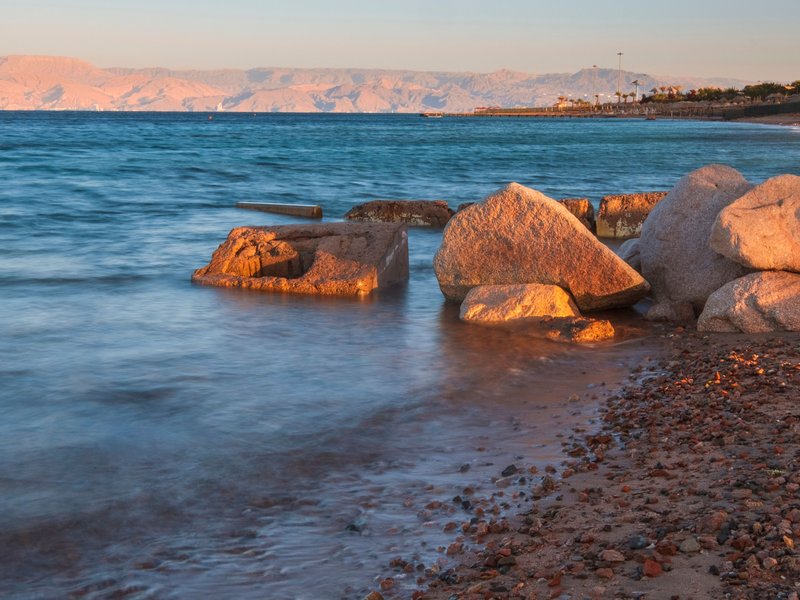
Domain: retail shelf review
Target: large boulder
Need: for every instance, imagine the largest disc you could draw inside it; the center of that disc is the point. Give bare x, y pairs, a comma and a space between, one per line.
422, 213
582, 208
504, 303
519, 235
674, 253
340, 259
761, 230
756, 303
621, 215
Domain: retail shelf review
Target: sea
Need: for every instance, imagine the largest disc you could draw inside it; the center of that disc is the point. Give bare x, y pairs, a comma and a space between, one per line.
160, 439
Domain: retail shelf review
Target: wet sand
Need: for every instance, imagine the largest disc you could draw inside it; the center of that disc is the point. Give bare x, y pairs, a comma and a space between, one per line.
690, 489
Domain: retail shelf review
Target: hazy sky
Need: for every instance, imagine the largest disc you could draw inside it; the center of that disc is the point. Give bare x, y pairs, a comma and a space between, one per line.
735, 38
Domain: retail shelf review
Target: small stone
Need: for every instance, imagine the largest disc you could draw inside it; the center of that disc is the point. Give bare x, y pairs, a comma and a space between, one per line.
707, 542
455, 548
611, 555
604, 573
373, 596
651, 568
509, 470
769, 563
689, 545
637, 542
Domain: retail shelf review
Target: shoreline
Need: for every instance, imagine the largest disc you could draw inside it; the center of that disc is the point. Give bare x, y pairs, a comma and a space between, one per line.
788, 120
689, 489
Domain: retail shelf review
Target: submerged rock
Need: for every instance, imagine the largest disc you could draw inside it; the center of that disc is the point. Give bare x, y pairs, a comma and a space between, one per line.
582, 209
756, 303
342, 259
575, 330
761, 229
519, 235
621, 216
675, 257
424, 213
504, 303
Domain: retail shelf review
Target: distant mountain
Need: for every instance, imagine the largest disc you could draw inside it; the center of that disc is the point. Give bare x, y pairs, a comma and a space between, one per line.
60, 83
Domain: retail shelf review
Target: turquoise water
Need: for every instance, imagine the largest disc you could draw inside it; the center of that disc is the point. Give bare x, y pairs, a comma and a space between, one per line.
165, 440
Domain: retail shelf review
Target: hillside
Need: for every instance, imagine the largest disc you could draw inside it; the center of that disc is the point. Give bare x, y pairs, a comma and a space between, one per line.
61, 83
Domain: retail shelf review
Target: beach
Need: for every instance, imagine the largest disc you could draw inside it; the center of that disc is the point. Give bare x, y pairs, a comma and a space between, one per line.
689, 489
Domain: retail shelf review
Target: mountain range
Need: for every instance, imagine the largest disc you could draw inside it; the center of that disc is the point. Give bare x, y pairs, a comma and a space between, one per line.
62, 83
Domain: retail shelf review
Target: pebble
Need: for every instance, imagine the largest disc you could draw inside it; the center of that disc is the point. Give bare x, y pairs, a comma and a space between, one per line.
611, 555
509, 470
604, 573
651, 568
387, 584
690, 545
637, 542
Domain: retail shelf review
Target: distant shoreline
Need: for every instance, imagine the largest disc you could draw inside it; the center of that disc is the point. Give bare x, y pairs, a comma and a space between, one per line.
788, 119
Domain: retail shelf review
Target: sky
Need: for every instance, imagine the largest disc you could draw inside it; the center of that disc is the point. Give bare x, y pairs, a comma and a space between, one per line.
720, 38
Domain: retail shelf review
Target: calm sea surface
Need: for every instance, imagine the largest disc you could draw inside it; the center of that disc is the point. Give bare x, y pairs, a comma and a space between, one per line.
162, 440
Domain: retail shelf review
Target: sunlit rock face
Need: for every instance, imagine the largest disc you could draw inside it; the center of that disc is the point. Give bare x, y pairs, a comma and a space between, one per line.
756, 303
621, 216
537, 310
675, 256
519, 235
339, 259
761, 230
420, 213
513, 303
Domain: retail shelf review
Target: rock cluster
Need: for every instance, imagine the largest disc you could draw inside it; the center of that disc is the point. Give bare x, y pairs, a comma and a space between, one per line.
421, 213
714, 246
342, 259
701, 244
519, 235
529, 249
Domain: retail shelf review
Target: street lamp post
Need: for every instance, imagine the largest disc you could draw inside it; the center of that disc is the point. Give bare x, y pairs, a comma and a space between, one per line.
619, 78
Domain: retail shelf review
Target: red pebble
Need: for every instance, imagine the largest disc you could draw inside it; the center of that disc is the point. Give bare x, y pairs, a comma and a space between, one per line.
651, 568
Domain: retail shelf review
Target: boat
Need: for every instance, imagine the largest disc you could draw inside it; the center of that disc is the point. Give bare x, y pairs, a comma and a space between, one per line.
432, 115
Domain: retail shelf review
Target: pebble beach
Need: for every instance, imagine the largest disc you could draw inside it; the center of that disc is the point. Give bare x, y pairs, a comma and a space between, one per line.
687, 489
